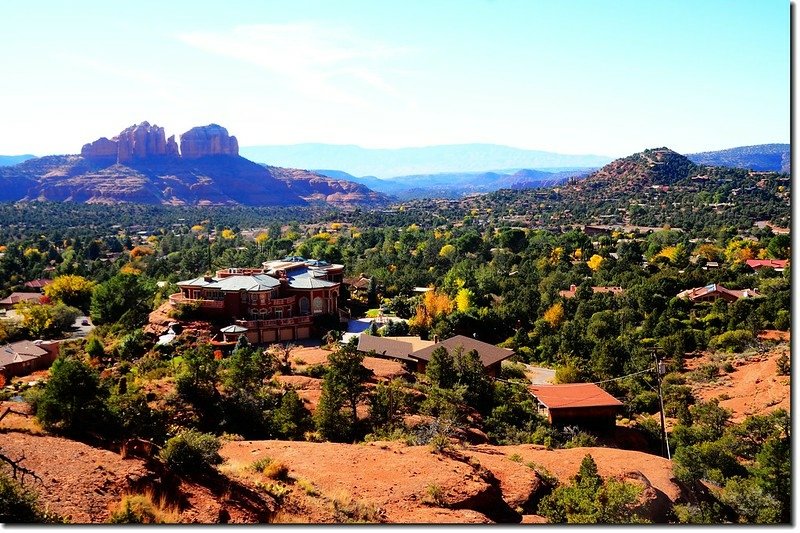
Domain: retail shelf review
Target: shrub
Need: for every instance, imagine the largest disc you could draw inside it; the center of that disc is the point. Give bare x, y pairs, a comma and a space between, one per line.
784, 365
733, 341
308, 487
276, 470
140, 509
436, 495
191, 452
17, 505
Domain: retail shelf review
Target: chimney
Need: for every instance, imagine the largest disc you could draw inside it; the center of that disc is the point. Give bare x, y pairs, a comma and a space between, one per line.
573, 288
207, 278
436, 339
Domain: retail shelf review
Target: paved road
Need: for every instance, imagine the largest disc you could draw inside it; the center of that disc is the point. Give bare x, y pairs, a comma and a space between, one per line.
540, 376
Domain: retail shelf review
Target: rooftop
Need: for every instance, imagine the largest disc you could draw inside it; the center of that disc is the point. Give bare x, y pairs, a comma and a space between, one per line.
489, 353
573, 395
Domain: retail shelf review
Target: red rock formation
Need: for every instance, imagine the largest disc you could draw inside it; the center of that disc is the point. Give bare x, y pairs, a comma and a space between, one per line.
101, 148
136, 142
140, 142
208, 140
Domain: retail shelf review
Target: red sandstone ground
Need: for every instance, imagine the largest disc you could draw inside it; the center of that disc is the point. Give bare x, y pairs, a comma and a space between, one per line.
754, 387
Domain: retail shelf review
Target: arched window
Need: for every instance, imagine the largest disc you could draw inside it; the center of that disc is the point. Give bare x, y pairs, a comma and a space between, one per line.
317, 305
303, 305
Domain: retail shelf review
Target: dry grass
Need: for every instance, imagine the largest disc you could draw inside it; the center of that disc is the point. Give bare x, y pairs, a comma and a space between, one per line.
348, 510
144, 508
22, 424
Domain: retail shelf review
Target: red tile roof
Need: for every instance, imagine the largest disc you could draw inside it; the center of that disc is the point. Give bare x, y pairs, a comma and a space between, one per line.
573, 395
17, 297
716, 288
772, 263
38, 283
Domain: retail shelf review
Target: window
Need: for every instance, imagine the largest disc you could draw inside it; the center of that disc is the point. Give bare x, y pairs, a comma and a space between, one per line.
279, 313
243, 295
303, 305
317, 305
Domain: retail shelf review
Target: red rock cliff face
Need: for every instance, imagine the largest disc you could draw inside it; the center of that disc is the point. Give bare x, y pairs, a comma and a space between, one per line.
136, 142
208, 140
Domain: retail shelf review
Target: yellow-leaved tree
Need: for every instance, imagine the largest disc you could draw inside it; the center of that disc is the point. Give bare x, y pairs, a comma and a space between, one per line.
73, 290
595, 262
554, 315
464, 299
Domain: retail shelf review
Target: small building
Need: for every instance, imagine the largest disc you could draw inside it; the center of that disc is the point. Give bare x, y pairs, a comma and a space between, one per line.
490, 355
778, 265
231, 333
18, 297
573, 289
712, 292
399, 348
577, 404
385, 347
24, 357
37, 285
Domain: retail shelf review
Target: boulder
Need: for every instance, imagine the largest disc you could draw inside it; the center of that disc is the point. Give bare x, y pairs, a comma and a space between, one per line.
211, 140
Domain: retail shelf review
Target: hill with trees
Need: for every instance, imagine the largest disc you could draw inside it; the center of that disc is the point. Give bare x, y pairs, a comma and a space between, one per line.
761, 157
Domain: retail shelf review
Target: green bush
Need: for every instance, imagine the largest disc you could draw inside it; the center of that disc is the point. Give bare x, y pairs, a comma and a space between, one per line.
191, 452
736, 340
17, 505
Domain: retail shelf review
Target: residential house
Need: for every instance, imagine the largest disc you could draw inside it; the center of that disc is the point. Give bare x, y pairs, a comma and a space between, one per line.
24, 357
577, 404
779, 265
37, 285
712, 292
275, 303
573, 289
400, 348
490, 355
18, 297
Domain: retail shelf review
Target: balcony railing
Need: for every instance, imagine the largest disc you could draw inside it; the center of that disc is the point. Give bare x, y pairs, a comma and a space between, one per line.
283, 301
276, 322
179, 298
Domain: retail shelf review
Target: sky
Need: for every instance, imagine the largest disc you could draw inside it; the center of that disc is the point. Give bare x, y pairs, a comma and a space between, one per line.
604, 77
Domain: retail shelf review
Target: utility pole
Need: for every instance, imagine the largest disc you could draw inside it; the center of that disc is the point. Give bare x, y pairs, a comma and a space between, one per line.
661, 369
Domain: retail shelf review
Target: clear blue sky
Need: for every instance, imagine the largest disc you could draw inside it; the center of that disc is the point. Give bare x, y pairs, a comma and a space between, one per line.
607, 77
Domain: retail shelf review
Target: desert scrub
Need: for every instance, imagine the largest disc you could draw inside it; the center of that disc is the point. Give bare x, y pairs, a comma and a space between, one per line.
191, 451
517, 458
435, 495
346, 509
307, 487
276, 490
143, 509
270, 468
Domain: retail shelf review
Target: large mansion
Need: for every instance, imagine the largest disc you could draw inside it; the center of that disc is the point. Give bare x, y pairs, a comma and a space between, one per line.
277, 302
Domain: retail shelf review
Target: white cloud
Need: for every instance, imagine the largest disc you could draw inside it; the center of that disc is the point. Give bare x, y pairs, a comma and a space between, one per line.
316, 60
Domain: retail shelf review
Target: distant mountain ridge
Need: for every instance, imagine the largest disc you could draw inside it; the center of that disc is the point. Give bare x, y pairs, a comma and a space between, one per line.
8, 160
392, 162
457, 184
761, 157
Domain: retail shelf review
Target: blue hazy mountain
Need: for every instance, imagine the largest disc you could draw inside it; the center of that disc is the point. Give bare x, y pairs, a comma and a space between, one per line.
392, 162
761, 157
9, 160
456, 184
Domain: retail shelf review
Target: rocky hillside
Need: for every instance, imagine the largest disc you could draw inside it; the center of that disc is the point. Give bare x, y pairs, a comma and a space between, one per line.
657, 166
386, 482
315, 188
142, 165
